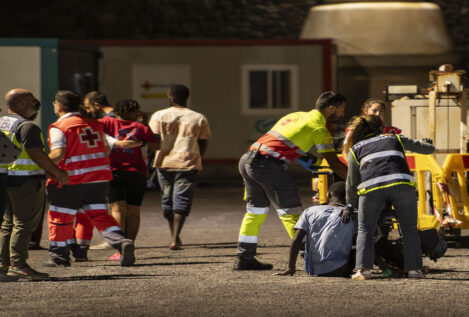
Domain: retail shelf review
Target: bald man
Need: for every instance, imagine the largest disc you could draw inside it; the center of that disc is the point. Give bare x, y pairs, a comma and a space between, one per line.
25, 185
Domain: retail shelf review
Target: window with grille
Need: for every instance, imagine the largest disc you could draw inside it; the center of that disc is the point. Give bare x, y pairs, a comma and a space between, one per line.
269, 89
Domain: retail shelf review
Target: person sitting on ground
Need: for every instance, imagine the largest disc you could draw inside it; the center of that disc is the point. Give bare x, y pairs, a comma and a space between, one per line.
328, 250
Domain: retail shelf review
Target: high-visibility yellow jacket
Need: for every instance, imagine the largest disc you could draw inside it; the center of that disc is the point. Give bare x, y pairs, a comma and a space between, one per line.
296, 134
24, 165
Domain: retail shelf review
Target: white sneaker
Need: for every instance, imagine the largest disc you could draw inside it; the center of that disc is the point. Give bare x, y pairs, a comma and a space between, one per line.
415, 274
102, 246
362, 274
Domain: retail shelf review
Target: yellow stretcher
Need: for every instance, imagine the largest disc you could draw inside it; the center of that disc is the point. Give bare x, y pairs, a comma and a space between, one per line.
443, 203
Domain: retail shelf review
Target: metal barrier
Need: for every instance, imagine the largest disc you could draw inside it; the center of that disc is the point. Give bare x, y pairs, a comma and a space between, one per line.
456, 166
319, 180
419, 164
428, 217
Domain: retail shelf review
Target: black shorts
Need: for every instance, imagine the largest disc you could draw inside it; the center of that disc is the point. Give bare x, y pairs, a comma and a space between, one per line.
127, 186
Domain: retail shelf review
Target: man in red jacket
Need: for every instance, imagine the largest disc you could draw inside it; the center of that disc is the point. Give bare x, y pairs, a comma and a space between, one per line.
78, 146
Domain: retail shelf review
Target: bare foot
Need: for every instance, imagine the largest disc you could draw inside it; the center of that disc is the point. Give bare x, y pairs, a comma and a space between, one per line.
174, 246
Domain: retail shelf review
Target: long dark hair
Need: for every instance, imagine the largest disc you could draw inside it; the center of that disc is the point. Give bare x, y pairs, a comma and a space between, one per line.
370, 102
362, 127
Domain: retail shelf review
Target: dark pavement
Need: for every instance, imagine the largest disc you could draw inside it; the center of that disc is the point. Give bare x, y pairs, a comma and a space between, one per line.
199, 280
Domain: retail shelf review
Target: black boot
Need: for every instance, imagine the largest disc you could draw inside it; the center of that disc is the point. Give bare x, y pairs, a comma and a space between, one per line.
79, 252
54, 263
250, 264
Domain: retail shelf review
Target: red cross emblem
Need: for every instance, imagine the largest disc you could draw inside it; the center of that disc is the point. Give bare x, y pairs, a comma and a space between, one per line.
89, 137
146, 85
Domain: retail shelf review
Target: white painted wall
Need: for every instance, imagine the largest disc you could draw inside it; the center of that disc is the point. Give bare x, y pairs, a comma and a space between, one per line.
20, 67
215, 82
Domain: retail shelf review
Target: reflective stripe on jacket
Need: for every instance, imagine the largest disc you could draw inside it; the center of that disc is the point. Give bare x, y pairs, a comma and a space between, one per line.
296, 134
382, 163
85, 157
24, 165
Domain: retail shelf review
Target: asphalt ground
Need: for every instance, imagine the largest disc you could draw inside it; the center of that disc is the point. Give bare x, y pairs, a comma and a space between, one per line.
199, 280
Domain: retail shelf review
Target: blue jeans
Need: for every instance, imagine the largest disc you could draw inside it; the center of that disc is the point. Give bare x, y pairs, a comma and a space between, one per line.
404, 200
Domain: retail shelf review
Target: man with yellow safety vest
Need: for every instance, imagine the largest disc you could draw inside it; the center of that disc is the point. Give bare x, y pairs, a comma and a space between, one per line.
25, 185
298, 137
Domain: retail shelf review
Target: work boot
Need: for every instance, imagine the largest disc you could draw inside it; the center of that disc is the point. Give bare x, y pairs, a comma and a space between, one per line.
54, 263
35, 246
79, 252
26, 272
85, 259
250, 264
127, 254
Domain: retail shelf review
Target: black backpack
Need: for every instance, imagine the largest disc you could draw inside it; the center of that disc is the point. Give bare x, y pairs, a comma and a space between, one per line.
389, 255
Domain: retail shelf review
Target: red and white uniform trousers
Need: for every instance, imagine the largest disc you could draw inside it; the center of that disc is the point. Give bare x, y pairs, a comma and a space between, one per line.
64, 204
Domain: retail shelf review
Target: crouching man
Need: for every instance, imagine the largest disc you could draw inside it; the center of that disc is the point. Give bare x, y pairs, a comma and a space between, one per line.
77, 146
328, 239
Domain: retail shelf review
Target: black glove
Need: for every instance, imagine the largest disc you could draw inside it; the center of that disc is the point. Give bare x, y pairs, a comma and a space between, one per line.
427, 140
347, 213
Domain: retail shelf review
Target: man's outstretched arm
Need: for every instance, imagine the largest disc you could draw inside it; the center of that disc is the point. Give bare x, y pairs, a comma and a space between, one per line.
294, 250
335, 164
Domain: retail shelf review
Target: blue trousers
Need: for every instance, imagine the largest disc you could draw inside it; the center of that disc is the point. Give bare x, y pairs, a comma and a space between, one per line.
177, 191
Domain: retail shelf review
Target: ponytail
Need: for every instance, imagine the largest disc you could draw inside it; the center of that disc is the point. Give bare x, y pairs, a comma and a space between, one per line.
362, 127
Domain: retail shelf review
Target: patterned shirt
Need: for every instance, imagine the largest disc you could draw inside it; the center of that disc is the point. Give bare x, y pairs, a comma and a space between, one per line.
130, 160
179, 129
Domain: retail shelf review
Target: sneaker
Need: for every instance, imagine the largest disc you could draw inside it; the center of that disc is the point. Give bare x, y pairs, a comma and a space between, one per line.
361, 275
127, 256
102, 246
250, 264
6, 278
54, 263
115, 257
27, 272
415, 274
